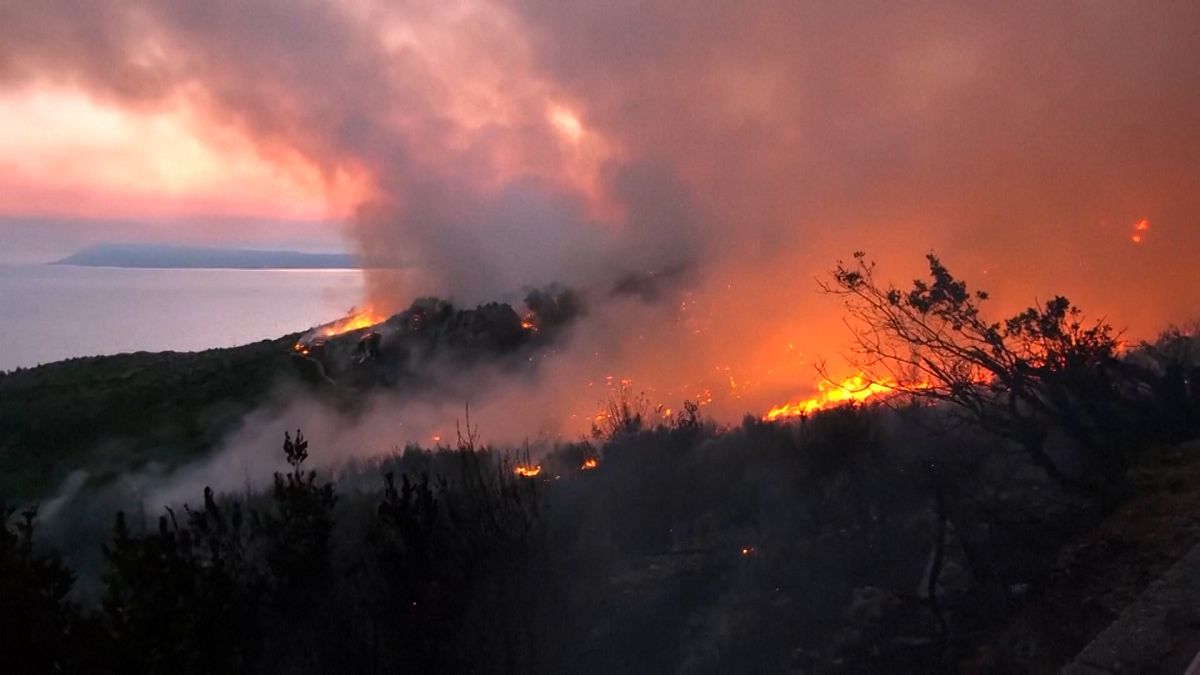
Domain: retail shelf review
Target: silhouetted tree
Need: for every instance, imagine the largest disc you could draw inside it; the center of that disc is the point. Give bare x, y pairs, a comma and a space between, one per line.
185, 597
451, 557
1019, 377
40, 630
303, 613
1174, 360
298, 530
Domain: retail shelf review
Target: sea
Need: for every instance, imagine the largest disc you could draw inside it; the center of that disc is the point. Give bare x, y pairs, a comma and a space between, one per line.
54, 312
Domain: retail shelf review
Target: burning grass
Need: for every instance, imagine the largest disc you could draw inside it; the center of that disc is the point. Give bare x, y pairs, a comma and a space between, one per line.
853, 389
354, 320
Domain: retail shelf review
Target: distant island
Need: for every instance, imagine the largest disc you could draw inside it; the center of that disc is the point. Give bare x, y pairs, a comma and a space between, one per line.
196, 257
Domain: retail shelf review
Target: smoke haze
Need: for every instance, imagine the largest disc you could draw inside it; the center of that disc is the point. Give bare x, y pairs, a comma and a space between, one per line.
478, 148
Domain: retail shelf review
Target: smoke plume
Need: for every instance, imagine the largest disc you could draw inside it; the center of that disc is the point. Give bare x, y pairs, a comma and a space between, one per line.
491, 147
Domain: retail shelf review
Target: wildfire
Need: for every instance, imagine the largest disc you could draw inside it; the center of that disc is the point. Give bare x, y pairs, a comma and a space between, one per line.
1138, 228
527, 470
854, 389
527, 322
354, 320
590, 463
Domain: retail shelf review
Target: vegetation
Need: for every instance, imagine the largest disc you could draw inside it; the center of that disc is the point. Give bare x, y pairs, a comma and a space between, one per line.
40, 629
913, 538
1042, 370
111, 414
114, 413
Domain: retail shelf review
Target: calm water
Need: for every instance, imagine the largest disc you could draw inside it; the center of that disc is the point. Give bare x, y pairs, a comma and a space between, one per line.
48, 313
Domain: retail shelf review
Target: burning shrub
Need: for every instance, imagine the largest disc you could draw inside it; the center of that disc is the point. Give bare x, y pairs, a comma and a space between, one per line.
1021, 377
624, 413
553, 307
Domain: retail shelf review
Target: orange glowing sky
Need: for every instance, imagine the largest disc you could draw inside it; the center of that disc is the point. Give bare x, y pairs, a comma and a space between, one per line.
69, 155
489, 146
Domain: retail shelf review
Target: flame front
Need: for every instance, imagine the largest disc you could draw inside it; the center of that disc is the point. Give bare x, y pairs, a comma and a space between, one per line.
590, 463
527, 470
353, 321
854, 389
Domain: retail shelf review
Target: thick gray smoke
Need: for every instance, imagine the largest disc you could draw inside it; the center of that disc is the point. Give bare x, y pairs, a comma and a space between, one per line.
497, 145
501, 145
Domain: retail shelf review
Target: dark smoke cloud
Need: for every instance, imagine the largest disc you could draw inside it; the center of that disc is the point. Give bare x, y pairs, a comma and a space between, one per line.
1024, 135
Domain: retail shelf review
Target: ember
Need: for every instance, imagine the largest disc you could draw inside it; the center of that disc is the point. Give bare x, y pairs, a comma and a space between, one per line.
528, 323
1138, 228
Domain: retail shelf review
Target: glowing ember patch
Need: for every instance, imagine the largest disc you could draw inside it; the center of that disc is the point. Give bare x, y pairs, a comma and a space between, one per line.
855, 389
1138, 228
527, 470
590, 463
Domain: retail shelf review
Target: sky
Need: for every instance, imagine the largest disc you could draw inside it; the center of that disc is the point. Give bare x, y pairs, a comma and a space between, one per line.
487, 147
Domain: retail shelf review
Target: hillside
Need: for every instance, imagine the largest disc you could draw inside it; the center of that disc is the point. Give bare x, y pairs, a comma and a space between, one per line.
119, 412
116, 413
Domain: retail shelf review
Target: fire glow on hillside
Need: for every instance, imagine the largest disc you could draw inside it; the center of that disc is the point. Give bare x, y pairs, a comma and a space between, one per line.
855, 389
354, 320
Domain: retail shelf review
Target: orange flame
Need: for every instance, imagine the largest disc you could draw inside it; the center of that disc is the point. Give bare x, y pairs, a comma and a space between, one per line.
590, 463
527, 470
854, 389
1138, 228
528, 323
353, 321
